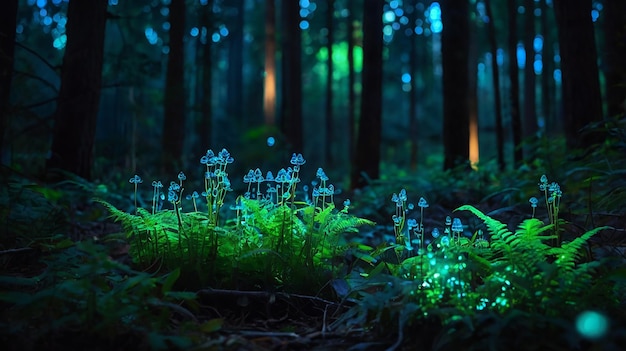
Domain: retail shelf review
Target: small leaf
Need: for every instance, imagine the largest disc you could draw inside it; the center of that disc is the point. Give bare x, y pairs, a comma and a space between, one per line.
170, 280
212, 325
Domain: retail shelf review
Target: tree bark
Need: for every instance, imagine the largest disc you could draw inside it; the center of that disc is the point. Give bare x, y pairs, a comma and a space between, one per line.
496, 86
205, 123
291, 112
330, 17
614, 56
79, 96
8, 21
174, 108
367, 153
413, 70
455, 51
351, 81
516, 119
581, 100
269, 81
530, 115
235, 64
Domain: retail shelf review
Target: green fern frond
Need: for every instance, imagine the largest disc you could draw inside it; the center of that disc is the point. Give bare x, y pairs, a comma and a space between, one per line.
569, 252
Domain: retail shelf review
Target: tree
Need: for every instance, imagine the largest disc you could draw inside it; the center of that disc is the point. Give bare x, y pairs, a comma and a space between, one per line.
413, 96
174, 96
269, 83
79, 96
579, 68
205, 121
8, 21
516, 118
367, 153
235, 63
454, 52
330, 17
614, 56
291, 111
351, 80
530, 115
491, 27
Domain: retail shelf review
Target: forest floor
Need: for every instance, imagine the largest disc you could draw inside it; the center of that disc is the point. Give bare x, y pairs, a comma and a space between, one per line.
230, 319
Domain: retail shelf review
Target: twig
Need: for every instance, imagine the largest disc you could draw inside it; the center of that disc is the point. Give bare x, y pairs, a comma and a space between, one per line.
10, 251
262, 294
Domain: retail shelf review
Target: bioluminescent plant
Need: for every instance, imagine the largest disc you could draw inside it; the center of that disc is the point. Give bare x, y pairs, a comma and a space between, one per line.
136, 180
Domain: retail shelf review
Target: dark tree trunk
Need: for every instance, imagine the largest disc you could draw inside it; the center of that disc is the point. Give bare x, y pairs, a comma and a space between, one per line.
454, 52
614, 56
413, 69
291, 112
581, 87
530, 115
516, 118
547, 78
205, 122
367, 153
330, 17
496, 86
269, 81
79, 97
8, 21
351, 80
235, 64
174, 96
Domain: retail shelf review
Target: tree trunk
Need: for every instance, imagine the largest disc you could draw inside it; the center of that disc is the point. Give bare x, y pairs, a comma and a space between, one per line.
269, 82
205, 122
516, 119
547, 78
455, 51
235, 64
174, 97
413, 70
8, 21
79, 96
351, 80
330, 17
291, 111
367, 153
496, 85
530, 115
615, 55
581, 87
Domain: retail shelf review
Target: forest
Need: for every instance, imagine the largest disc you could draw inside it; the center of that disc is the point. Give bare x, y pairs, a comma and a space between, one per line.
438, 175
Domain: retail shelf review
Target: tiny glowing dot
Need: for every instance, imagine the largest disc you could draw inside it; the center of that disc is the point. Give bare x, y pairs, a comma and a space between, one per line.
271, 141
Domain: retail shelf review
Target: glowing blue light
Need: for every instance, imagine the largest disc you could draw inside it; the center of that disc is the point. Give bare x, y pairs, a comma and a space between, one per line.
305, 3
165, 50
538, 65
594, 15
224, 31
215, 37
151, 35
304, 13
43, 13
47, 20
271, 141
436, 27
393, 4
59, 43
592, 325
113, 2
41, 3
406, 78
194, 32
165, 11
500, 57
389, 16
166, 25
304, 25
538, 43
521, 56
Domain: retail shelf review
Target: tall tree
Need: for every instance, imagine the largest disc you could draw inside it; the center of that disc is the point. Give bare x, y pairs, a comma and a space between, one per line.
614, 56
367, 153
516, 118
8, 21
269, 82
205, 56
530, 115
454, 52
351, 80
174, 95
291, 111
413, 69
79, 96
330, 18
235, 62
579, 67
547, 78
491, 27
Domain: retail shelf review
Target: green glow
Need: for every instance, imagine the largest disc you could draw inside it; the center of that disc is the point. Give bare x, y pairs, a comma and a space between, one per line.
592, 325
